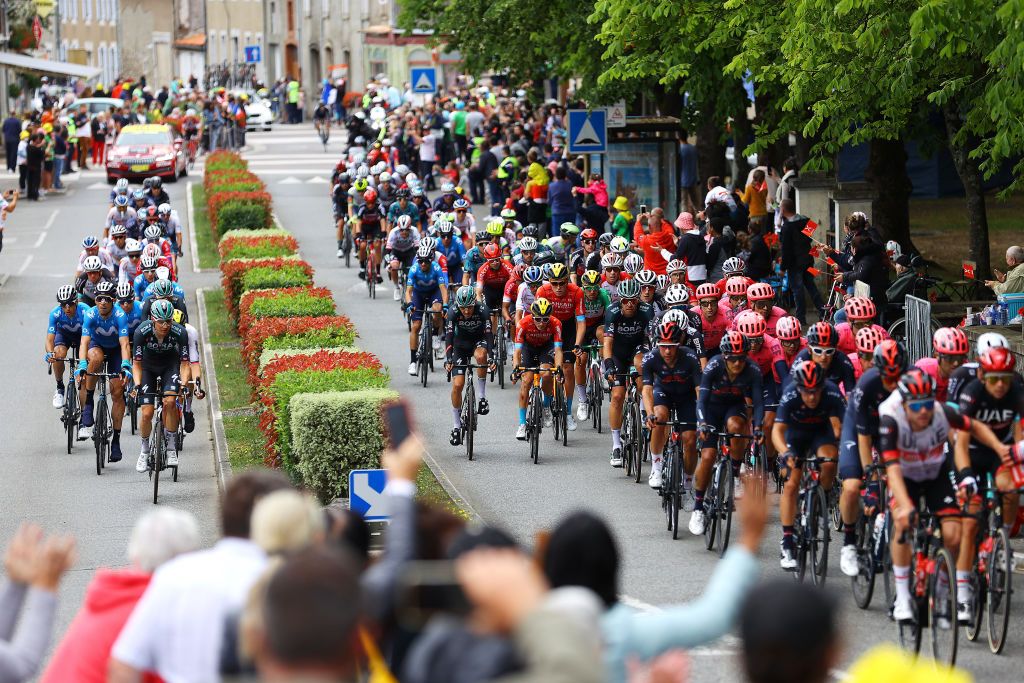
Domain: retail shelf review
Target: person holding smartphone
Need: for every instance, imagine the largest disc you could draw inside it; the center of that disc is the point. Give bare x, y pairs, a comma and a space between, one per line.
655, 237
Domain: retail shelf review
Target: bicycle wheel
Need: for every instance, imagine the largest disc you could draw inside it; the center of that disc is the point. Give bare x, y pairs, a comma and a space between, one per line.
70, 416
502, 354
556, 412
564, 414
820, 523
726, 494
863, 584
133, 411
910, 629
998, 593
833, 506
626, 432
942, 607
638, 444
98, 435
469, 414
156, 453
534, 427
424, 350
346, 246
972, 629
801, 530
676, 487
711, 506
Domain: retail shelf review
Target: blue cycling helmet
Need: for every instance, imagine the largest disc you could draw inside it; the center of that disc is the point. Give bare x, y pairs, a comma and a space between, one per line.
121, 200
533, 275
90, 242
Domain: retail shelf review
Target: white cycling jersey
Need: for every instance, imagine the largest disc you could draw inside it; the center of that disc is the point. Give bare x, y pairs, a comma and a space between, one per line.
193, 343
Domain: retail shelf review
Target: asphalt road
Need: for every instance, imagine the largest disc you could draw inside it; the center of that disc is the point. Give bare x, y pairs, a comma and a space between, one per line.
502, 485
40, 481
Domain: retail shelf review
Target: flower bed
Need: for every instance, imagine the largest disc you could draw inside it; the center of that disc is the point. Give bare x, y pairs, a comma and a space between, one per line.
275, 244
270, 355
294, 333
234, 210
223, 160
232, 272
232, 180
289, 302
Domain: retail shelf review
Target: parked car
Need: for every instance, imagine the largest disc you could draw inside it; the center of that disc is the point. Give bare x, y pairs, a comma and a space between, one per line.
95, 105
144, 150
258, 115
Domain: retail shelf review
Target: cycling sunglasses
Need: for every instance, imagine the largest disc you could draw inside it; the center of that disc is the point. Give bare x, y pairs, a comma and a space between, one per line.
998, 378
707, 302
460, 211
922, 404
959, 359
589, 241
120, 237
424, 261
108, 299
756, 340
823, 351
542, 320
559, 283
735, 359
149, 270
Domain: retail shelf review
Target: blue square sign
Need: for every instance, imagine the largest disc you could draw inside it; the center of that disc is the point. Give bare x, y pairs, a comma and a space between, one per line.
252, 54
366, 493
588, 131
424, 80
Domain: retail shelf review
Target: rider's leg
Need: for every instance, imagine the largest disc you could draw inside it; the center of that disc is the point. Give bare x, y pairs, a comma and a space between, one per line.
117, 399
737, 446
458, 382
524, 394
828, 469
414, 336
787, 505
580, 371
480, 356
615, 414
659, 437
59, 354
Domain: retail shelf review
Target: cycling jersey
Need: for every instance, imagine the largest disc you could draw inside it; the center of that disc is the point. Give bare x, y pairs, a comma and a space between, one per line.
998, 413
629, 334
765, 357
565, 307
398, 242
774, 317
527, 333
784, 361
679, 380
135, 318
467, 332
321, 114
525, 297
466, 226
105, 332
154, 352
594, 309
580, 262
839, 372
920, 454
454, 255
128, 270
795, 414
140, 284
848, 338
67, 331
959, 379
542, 250
612, 290
717, 391
931, 366
193, 343
370, 217
395, 211
105, 258
426, 282
858, 369
860, 419
693, 330
116, 253
147, 293
87, 288
511, 290
494, 277
127, 218
714, 328
472, 262
177, 301
340, 199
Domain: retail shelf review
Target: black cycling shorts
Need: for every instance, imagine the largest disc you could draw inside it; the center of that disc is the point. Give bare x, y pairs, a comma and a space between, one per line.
984, 460
939, 494
405, 257
162, 381
685, 406
493, 296
462, 353
535, 356
717, 414
111, 357
622, 365
807, 441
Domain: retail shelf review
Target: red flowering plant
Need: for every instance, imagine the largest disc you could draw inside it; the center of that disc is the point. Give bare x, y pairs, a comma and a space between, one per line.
234, 270
255, 207
224, 159
319, 332
245, 245
287, 302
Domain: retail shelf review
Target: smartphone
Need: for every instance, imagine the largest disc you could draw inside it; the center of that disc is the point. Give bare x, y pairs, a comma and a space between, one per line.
426, 588
643, 209
397, 422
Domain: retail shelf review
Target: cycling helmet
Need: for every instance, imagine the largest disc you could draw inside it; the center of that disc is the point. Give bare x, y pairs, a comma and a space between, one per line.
733, 344
669, 333
162, 289
362, 171
132, 246
736, 286
403, 193
619, 245
996, 359
139, 195
125, 292
611, 261
445, 229
148, 262
447, 188
629, 289
91, 242
605, 239
404, 222
153, 232
118, 231
529, 230
868, 338
677, 295
164, 209
465, 297
495, 228
425, 252
92, 264
491, 252
384, 177
460, 204
589, 234
430, 242
510, 215
860, 308
991, 340
121, 201
156, 182
401, 170
344, 179
916, 384
676, 315
517, 271
750, 324
121, 186
675, 266
558, 272
163, 273
179, 317
787, 329
66, 294
151, 212
380, 166
541, 307
417, 192
807, 374
527, 244
546, 270
162, 310
890, 357
590, 279
950, 341
734, 266
708, 290
147, 183
361, 185
633, 263
533, 275
822, 334
568, 229
646, 278
106, 288
760, 291
370, 195
662, 283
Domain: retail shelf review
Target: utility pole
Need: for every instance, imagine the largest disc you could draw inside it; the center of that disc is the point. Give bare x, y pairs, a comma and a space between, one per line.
56, 30
5, 40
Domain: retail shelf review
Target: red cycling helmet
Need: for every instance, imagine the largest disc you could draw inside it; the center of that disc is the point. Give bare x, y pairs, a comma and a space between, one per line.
588, 234
808, 375
708, 290
822, 334
860, 308
733, 344
370, 195
518, 271
492, 252
890, 357
916, 384
760, 291
737, 285
751, 324
787, 329
950, 341
996, 359
868, 338
152, 212
669, 333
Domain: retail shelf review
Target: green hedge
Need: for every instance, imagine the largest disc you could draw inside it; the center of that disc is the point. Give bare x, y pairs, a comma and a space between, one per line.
290, 306
312, 339
268, 355
262, 250
334, 433
236, 215
240, 186
274, 278
292, 382
257, 232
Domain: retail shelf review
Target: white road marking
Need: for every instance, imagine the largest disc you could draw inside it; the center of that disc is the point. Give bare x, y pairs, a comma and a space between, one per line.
24, 266
97, 186
291, 180
39, 240
317, 180
49, 223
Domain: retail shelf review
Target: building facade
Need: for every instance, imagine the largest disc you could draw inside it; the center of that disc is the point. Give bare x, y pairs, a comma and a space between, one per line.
231, 26
88, 35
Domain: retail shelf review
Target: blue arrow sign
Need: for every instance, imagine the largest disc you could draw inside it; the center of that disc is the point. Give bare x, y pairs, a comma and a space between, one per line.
366, 493
424, 80
588, 131
252, 54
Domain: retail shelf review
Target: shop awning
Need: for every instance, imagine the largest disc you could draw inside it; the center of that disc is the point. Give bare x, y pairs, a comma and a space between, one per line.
193, 41
47, 66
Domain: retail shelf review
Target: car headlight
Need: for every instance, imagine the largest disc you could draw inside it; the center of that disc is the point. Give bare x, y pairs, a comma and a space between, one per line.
113, 160
166, 158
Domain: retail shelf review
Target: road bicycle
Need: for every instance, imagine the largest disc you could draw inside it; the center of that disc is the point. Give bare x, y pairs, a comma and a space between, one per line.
347, 242
70, 414
323, 130
501, 340
719, 498
873, 534
595, 391
469, 414
811, 533
535, 406
632, 430
157, 461
102, 429
131, 405
424, 349
371, 268
672, 473
560, 414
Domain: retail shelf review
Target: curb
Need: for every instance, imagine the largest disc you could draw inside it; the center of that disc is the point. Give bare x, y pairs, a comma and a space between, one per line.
221, 462
193, 246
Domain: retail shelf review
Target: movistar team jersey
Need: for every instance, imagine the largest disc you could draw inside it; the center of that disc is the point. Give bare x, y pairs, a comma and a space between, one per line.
105, 332
147, 292
471, 264
140, 284
429, 281
134, 318
60, 322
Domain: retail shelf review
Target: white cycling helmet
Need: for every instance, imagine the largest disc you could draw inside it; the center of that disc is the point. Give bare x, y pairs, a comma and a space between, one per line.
401, 170
411, 179
362, 171
164, 209
118, 231
676, 266
153, 232
677, 295
675, 315
92, 264
893, 248
163, 273
633, 263
611, 261
149, 262
132, 246
991, 340
121, 186
619, 245
125, 291
528, 244
426, 250
404, 222
385, 177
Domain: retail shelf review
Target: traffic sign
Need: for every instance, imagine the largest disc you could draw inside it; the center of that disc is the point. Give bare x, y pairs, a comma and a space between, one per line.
252, 54
44, 8
588, 131
617, 115
424, 80
366, 493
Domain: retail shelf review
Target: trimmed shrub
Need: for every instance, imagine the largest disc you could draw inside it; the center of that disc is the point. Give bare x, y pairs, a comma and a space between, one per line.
262, 233
315, 373
217, 202
334, 433
290, 302
273, 245
326, 331
233, 270
224, 159
269, 355
274, 278
215, 180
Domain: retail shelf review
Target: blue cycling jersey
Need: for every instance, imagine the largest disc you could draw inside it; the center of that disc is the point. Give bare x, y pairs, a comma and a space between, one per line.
794, 413
454, 252
147, 293
105, 332
425, 282
679, 380
139, 285
60, 322
134, 318
471, 264
717, 388
840, 371
517, 254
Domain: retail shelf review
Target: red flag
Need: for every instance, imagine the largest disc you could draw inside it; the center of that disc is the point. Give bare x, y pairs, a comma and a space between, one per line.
831, 262
809, 228
814, 272
968, 270
814, 252
771, 239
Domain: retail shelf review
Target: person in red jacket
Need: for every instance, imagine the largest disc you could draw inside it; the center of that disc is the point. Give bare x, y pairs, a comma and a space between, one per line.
656, 238
82, 655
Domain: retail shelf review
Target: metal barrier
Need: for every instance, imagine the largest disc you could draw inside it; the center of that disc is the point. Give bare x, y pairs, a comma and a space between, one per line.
918, 328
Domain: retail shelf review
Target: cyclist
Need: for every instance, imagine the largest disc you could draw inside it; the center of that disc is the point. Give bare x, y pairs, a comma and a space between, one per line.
322, 121
567, 307
160, 365
340, 200
104, 347
533, 278
495, 234
859, 438
491, 278
676, 299
508, 219
147, 275
425, 286
474, 260
154, 235
963, 375
117, 247
867, 339
632, 264
139, 202
446, 202
402, 206
714, 316
625, 343
612, 276
130, 266
64, 332
91, 247
995, 399
132, 308
808, 424
163, 288
648, 281
735, 297
400, 250
761, 297
951, 347
385, 191
195, 372
122, 214
530, 252
510, 294
596, 303
120, 190
791, 343
586, 257
172, 226
538, 343
732, 267
764, 349
94, 274
913, 432
453, 251
729, 397
671, 375
676, 272
821, 348
155, 194
861, 313
468, 339
422, 205
368, 231
464, 221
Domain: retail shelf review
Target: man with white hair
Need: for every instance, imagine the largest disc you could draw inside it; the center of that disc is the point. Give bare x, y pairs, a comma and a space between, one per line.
1012, 281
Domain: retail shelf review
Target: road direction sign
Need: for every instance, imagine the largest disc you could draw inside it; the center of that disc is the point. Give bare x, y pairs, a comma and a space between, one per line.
252, 54
588, 131
424, 80
366, 493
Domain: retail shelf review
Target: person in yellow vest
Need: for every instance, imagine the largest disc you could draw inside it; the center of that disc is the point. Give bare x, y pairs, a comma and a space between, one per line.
293, 101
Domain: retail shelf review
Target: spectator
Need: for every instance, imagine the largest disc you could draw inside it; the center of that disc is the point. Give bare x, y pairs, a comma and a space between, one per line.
34, 567
23, 144
718, 194
722, 246
537, 191
1012, 281
688, 178
98, 129
60, 153
35, 155
656, 239
868, 267
82, 655
8, 202
622, 219
796, 259
487, 165
11, 131
785, 190
755, 196
563, 204
855, 224
691, 250
759, 261
595, 215
180, 640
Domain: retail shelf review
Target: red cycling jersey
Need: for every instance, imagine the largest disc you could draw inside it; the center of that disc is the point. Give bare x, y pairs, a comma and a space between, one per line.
511, 290
494, 277
848, 338
567, 306
786, 359
714, 329
765, 356
528, 333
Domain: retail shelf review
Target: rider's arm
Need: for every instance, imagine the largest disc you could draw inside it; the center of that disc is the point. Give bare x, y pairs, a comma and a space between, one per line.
837, 426
779, 437
888, 446
756, 396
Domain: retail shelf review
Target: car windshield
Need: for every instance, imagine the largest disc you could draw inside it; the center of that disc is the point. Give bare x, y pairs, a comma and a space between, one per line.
143, 139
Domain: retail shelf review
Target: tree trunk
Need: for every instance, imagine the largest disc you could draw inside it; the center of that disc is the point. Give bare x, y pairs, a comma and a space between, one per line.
970, 176
887, 173
710, 150
741, 134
